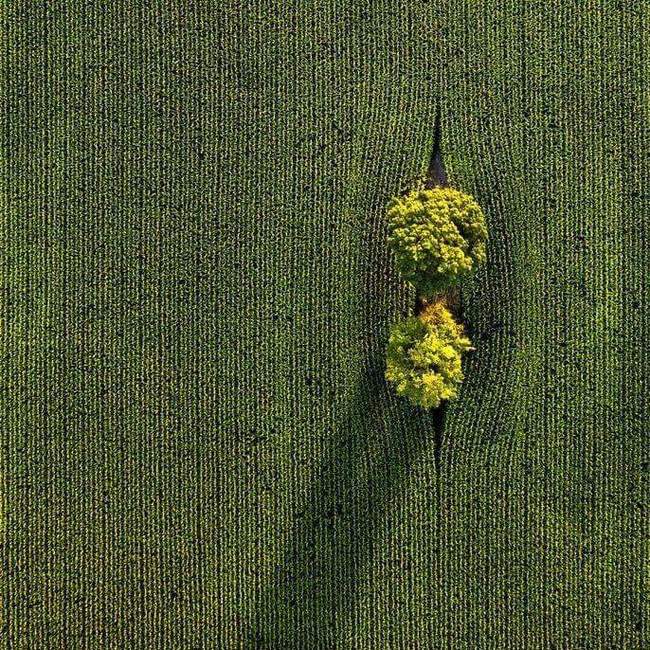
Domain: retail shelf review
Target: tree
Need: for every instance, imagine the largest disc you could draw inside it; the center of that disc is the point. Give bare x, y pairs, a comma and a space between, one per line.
438, 236
424, 356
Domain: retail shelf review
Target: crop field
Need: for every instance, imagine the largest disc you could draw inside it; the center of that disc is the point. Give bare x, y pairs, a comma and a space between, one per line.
199, 448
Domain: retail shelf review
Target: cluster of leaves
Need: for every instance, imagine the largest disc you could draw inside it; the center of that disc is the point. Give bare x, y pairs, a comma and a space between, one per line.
438, 236
424, 356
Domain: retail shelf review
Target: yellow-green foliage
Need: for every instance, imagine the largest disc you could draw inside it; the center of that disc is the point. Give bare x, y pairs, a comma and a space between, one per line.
424, 356
437, 235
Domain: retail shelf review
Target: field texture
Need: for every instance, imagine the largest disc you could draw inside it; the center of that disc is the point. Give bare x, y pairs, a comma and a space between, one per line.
199, 449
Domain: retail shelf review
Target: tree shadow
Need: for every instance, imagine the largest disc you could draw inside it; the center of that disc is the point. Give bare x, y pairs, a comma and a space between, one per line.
367, 458
332, 540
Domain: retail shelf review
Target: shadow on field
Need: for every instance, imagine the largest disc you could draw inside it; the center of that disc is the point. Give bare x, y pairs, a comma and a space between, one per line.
367, 457
333, 540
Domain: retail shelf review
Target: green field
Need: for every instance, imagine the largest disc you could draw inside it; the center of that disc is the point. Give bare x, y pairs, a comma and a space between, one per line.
199, 449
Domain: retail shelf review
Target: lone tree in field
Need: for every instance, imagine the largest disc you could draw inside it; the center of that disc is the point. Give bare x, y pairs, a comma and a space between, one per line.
438, 236
424, 356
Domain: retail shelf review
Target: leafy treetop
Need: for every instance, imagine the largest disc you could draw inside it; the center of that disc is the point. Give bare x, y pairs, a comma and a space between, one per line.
424, 356
438, 236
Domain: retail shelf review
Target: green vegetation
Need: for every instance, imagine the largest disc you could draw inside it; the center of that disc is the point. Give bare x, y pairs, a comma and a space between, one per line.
424, 356
438, 237
199, 447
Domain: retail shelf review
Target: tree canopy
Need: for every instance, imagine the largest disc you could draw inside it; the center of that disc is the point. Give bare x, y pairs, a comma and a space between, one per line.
424, 356
438, 236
